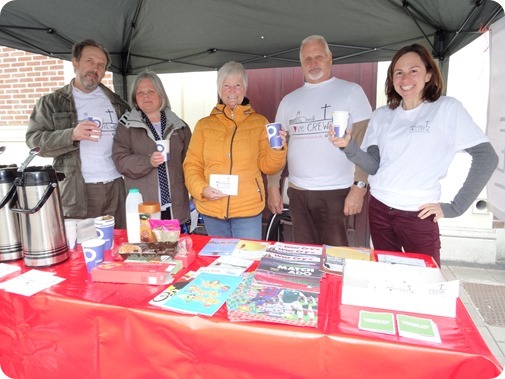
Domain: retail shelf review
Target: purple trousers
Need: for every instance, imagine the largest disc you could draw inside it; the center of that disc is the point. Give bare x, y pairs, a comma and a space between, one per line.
395, 230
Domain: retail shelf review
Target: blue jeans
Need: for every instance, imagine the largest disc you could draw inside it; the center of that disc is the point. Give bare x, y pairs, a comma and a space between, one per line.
240, 227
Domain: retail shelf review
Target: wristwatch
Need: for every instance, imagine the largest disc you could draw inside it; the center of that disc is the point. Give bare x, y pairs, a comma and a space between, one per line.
361, 184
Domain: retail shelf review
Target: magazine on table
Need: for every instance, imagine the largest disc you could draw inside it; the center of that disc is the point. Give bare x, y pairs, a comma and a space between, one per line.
160, 299
293, 248
204, 295
252, 301
300, 272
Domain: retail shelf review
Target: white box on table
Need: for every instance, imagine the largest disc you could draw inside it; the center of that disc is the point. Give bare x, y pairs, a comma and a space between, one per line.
399, 287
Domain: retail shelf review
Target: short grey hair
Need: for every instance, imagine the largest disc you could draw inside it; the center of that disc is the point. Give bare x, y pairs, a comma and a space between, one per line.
158, 86
315, 38
231, 68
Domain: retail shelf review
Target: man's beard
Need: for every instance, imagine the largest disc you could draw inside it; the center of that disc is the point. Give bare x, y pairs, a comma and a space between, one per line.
90, 83
315, 75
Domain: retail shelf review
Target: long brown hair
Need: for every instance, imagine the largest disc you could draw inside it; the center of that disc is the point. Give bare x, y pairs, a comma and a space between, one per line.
434, 87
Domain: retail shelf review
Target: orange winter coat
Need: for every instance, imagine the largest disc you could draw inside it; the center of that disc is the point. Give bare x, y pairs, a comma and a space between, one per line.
231, 143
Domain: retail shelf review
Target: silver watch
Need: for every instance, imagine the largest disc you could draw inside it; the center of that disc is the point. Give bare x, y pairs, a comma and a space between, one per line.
361, 184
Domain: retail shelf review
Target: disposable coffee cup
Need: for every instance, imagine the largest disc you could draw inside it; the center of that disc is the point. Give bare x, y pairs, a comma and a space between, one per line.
163, 146
340, 123
93, 250
71, 233
105, 230
98, 122
274, 138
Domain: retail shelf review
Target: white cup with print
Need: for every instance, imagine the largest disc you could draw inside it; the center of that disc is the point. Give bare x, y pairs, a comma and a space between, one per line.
93, 250
98, 122
340, 123
274, 138
71, 233
163, 146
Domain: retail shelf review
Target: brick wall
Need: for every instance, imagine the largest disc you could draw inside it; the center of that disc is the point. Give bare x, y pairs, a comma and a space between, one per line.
24, 77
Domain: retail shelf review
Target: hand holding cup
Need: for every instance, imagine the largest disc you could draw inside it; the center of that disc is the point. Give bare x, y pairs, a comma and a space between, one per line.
88, 129
163, 146
339, 133
341, 142
276, 135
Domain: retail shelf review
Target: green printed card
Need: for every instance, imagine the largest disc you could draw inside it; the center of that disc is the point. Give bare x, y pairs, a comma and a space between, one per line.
380, 322
418, 328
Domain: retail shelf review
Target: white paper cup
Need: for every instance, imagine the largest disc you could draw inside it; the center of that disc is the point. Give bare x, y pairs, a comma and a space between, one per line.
98, 122
71, 233
105, 230
274, 138
93, 252
163, 146
340, 123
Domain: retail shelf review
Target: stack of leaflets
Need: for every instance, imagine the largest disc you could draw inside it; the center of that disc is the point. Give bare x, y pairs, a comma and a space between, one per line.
250, 249
293, 248
227, 265
297, 269
7, 269
29, 282
333, 257
217, 247
252, 301
399, 260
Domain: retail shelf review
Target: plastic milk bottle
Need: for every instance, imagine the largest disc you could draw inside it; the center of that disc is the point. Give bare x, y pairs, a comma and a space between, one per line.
133, 200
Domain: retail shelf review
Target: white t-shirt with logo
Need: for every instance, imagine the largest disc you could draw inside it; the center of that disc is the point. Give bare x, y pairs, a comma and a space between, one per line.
96, 157
416, 148
314, 163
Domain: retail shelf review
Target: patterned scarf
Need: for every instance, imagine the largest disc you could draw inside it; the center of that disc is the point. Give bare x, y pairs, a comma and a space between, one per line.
162, 168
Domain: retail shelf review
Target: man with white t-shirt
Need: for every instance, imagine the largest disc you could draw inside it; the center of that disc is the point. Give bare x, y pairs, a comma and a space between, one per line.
324, 187
76, 125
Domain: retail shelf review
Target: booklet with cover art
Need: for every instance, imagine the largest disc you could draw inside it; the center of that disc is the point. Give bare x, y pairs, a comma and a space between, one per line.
204, 295
252, 301
160, 299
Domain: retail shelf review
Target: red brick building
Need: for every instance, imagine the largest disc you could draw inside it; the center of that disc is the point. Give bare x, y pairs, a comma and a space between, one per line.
24, 77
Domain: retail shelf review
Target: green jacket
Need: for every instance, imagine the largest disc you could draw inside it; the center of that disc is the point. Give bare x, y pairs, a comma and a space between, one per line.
50, 126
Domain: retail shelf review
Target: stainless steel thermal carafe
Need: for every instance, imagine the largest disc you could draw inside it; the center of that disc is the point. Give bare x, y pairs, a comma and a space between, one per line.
10, 239
41, 217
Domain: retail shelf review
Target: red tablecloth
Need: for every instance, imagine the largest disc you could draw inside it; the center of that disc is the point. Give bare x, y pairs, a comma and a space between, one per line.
84, 329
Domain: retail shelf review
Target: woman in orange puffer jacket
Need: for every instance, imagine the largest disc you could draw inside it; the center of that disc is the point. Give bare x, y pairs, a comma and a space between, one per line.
231, 145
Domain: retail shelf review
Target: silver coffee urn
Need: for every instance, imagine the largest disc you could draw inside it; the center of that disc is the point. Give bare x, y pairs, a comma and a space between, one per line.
41, 216
10, 239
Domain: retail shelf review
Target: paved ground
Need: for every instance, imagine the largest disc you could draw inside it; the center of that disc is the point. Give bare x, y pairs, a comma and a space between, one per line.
483, 293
